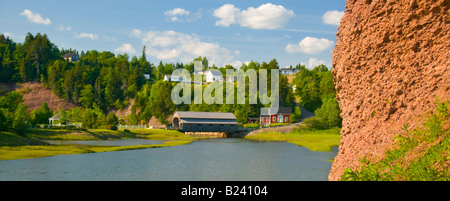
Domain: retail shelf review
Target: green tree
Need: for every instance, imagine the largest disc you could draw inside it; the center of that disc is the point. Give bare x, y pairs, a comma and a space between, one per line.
146, 66
89, 119
160, 102
64, 116
5, 122
38, 52
87, 96
286, 97
41, 115
55, 72
326, 84
296, 116
21, 120
112, 121
329, 112
308, 88
11, 101
13, 112
7, 62
242, 113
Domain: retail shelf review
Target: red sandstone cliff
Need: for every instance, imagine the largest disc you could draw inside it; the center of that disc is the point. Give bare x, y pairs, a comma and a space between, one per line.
34, 94
391, 62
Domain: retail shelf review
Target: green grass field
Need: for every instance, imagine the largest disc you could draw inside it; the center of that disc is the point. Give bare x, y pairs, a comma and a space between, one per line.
32, 144
315, 140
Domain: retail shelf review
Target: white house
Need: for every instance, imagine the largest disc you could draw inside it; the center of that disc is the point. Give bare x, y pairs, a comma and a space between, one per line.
71, 57
289, 71
213, 75
175, 78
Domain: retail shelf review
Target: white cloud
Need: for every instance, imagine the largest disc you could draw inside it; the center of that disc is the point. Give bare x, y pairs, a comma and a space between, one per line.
174, 46
63, 28
228, 15
176, 11
313, 62
236, 64
266, 16
86, 35
174, 15
126, 48
333, 17
310, 45
35, 18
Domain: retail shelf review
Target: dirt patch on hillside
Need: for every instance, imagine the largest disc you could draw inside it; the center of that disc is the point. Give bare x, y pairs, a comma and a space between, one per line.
34, 94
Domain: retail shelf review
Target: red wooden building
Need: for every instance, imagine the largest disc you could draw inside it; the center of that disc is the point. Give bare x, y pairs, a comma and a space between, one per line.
283, 115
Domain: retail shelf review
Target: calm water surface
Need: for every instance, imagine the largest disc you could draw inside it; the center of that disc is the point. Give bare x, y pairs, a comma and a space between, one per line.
203, 160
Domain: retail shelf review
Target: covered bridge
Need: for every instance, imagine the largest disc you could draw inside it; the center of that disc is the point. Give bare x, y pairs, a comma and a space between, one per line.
204, 122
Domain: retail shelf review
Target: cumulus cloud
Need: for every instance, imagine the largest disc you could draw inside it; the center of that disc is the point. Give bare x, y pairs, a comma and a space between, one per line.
266, 16
35, 17
176, 11
313, 62
86, 35
175, 46
333, 17
126, 48
173, 14
310, 45
228, 14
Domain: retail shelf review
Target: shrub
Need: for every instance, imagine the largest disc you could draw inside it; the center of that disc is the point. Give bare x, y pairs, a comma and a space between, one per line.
429, 165
112, 121
315, 122
296, 115
111, 127
329, 112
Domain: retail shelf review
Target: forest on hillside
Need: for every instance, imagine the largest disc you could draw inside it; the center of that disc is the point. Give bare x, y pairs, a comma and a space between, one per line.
100, 81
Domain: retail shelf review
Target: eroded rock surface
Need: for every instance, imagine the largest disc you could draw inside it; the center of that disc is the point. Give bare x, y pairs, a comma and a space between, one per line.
391, 62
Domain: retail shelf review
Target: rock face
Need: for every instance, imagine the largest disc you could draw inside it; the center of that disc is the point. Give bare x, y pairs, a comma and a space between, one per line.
390, 63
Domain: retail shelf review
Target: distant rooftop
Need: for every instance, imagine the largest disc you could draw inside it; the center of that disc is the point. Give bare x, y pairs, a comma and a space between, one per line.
281, 110
204, 115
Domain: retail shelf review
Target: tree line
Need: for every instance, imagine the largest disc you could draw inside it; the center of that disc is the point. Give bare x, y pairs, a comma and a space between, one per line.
102, 81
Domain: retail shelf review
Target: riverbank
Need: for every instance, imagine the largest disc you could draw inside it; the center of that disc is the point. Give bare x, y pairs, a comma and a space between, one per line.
33, 145
313, 139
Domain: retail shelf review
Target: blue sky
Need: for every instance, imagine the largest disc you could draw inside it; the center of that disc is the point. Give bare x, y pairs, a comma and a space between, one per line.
226, 32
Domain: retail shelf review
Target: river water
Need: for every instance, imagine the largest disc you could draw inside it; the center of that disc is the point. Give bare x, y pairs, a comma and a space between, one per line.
227, 159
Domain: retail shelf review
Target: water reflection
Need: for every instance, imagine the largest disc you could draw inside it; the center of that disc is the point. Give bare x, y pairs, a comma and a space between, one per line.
122, 142
203, 160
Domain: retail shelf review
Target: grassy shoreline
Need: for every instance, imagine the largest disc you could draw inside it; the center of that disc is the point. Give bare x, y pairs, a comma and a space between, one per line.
32, 144
315, 140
